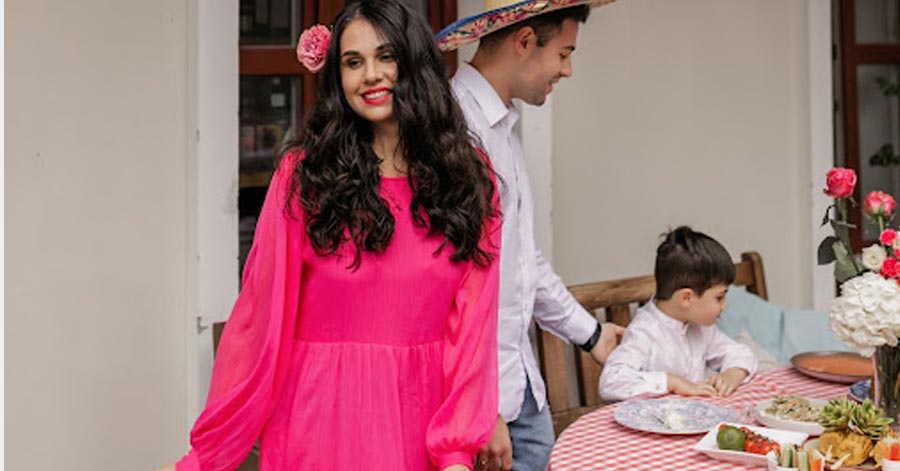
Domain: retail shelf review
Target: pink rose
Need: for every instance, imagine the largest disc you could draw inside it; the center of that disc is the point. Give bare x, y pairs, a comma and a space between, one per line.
889, 268
313, 46
897, 253
887, 237
879, 203
840, 182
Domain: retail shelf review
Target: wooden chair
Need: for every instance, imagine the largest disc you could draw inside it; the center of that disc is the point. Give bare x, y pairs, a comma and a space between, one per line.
616, 297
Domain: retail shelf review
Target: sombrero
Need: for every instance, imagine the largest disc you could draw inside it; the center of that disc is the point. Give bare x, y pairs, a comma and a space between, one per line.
500, 14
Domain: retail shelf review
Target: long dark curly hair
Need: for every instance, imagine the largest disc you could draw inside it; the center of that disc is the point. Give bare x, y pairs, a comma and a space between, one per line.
338, 179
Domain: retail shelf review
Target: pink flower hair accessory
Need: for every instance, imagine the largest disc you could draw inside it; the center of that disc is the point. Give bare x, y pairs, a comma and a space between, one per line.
312, 47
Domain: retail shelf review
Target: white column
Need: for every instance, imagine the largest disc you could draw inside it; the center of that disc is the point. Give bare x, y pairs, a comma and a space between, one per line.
821, 140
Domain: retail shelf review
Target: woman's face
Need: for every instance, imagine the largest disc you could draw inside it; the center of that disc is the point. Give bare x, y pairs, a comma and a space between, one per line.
368, 72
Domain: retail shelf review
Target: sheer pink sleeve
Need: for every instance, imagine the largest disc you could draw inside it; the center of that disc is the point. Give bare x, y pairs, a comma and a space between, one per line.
465, 421
255, 348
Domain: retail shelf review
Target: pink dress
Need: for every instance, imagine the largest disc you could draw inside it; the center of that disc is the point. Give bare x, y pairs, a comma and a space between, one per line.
389, 367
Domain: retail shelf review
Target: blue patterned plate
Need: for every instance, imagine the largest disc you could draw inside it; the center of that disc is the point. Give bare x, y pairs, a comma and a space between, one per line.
861, 390
672, 416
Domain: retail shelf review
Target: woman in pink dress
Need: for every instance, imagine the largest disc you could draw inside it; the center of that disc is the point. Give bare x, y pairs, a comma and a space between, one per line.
365, 333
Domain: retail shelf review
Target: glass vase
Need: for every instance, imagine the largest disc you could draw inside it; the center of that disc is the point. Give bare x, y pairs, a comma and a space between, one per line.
886, 382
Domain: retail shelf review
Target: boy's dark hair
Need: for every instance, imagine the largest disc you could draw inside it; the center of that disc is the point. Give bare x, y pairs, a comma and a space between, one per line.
690, 259
545, 26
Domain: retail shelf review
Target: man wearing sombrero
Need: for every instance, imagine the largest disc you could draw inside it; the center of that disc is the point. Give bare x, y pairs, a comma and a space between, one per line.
524, 49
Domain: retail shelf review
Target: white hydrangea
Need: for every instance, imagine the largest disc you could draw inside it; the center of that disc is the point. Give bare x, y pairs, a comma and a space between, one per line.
867, 313
873, 257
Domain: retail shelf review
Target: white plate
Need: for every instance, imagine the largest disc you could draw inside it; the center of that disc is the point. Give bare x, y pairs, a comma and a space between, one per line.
709, 446
671, 416
769, 420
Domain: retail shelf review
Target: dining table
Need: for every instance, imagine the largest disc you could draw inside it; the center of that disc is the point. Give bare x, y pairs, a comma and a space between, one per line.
597, 442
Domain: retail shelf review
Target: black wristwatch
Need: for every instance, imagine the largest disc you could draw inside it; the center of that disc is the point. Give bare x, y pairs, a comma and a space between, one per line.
589, 345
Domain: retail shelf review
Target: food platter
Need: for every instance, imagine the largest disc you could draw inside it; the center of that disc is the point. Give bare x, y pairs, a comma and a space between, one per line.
839, 367
784, 422
671, 416
708, 446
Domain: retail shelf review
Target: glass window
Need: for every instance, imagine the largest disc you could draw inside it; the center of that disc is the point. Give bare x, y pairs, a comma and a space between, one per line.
879, 132
266, 22
269, 108
877, 21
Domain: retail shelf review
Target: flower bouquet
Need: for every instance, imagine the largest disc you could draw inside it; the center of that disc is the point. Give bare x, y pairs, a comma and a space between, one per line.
866, 315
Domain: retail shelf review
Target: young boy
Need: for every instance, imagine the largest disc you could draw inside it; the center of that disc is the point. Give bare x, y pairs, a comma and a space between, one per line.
673, 338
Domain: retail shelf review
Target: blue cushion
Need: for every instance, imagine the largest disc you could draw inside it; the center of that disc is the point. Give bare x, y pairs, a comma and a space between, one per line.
783, 333
807, 331
763, 320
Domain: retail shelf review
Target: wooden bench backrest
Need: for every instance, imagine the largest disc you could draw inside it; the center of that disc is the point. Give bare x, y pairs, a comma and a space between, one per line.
616, 297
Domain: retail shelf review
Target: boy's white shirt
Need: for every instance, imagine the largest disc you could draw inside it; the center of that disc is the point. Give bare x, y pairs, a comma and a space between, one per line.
656, 344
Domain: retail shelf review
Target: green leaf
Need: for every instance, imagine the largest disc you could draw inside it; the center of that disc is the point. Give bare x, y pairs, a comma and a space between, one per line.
841, 230
844, 267
826, 217
826, 250
835, 224
888, 88
885, 157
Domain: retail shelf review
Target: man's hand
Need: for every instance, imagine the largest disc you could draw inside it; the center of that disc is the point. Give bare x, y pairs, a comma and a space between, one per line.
727, 381
497, 454
679, 385
610, 336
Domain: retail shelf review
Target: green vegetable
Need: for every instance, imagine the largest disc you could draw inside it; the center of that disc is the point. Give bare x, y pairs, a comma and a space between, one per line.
731, 438
787, 456
803, 461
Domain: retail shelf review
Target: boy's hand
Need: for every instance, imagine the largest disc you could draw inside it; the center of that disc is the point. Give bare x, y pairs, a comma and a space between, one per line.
610, 336
727, 381
679, 385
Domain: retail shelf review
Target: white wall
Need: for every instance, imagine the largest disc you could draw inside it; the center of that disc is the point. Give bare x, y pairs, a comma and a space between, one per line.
96, 233
689, 112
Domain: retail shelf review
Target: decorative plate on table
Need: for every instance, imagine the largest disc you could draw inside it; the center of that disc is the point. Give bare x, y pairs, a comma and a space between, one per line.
861, 390
709, 446
784, 417
840, 367
865, 466
671, 416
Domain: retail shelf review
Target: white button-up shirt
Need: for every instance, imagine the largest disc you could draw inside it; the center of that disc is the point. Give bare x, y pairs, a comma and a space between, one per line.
528, 285
656, 344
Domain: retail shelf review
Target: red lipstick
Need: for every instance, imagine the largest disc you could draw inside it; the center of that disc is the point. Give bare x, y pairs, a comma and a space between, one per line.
376, 96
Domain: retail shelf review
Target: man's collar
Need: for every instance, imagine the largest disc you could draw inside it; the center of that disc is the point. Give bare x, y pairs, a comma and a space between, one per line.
490, 102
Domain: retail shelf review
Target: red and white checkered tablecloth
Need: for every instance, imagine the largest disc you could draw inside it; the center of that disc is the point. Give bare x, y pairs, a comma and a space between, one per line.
597, 442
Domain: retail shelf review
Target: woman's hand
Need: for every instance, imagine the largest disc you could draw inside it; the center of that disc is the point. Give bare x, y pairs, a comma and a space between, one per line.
497, 454
168, 467
456, 467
